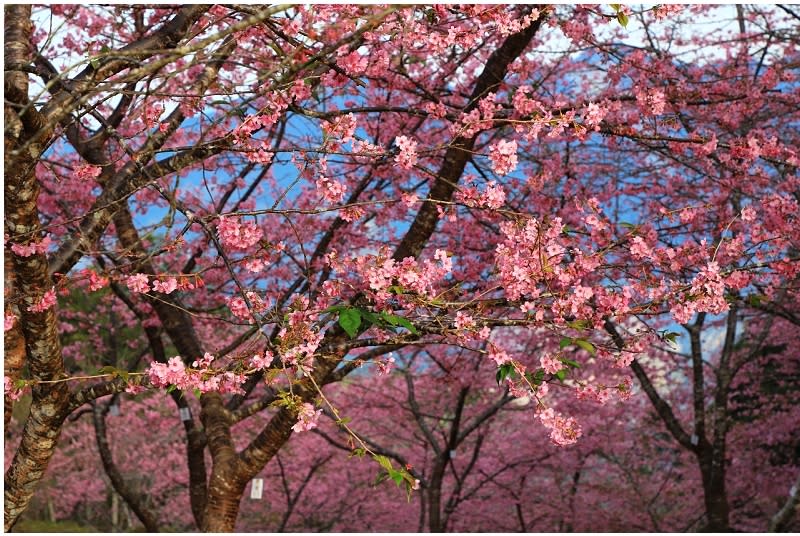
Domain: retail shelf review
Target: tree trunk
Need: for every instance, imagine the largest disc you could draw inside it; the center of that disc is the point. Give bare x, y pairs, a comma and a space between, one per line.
23, 142
435, 494
225, 491
714, 493
14, 349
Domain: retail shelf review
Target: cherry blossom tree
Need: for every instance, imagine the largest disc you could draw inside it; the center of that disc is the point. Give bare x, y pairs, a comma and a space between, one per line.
243, 205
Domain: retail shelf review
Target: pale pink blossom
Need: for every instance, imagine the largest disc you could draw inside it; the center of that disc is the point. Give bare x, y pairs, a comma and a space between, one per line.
47, 301
33, 248
236, 234
306, 418
332, 191
138, 283
640, 249
10, 390
407, 157
409, 199
10, 318
593, 115
499, 356
463, 321
342, 127
134, 389
551, 364
96, 282
167, 287
563, 430
385, 367
87, 172
259, 156
503, 156
262, 361
651, 101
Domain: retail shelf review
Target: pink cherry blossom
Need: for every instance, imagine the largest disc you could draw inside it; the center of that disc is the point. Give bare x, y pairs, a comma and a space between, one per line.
236, 234
503, 156
307, 418
138, 283
46, 302
166, 287
9, 320
407, 157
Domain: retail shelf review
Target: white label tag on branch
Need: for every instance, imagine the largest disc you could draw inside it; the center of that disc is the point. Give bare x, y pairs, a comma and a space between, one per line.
186, 414
452, 455
256, 488
114, 410
695, 439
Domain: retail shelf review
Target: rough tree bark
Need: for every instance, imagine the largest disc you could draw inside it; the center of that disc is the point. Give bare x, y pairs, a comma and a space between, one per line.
32, 280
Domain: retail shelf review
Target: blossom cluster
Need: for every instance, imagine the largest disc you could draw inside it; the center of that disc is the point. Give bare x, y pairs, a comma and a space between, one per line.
10, 390
166, 285
33, 248
87, 172
203, 378
493, 197
503, 156
238, 305
708, 295
299, 339
563, 430
45, 303
528, 255
236, 234
307, 418
342, 127
407, 157
380, 273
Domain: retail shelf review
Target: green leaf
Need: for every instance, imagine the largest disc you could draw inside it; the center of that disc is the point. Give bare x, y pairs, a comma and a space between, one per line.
565, 341
580, 325
586, 345
343, 421
561, 375
334, 309
197, 392
623, 19
370, 317
627, 225
359, 452
399, 321
503, 372
384, 462
538, 378
396, 289
20, 384
383, 475
615, 7
350, 320
570, 363
397, 476
171, 388
108, 369
671, 336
